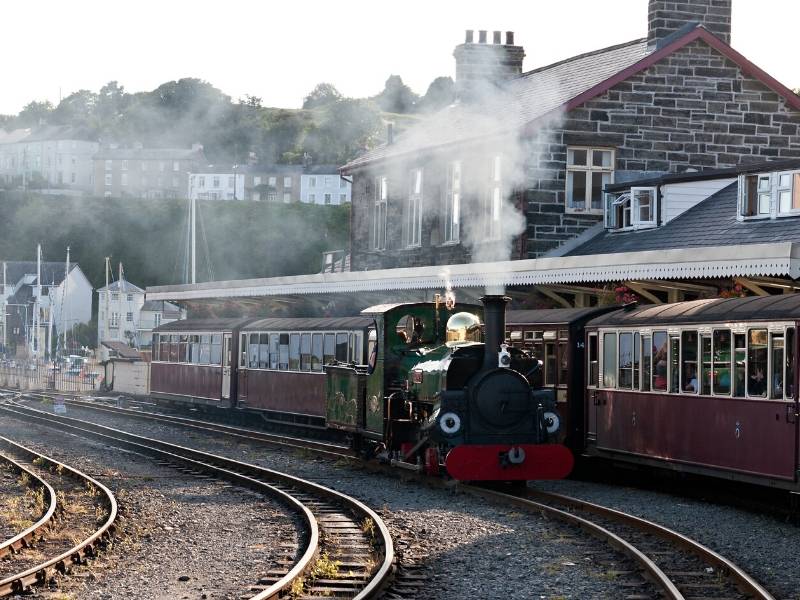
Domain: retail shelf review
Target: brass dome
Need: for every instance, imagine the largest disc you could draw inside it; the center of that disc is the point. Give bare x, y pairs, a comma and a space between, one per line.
463, 327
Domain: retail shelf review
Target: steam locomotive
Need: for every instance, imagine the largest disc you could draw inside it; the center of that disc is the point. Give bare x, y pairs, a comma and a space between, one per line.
406, 382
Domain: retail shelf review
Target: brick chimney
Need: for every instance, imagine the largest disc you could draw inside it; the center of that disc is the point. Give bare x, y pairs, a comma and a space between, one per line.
665, 17
483, 65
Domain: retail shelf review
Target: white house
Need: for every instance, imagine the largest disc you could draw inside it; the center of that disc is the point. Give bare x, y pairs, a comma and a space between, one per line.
64, 303
322, 184
216, 183
124, 316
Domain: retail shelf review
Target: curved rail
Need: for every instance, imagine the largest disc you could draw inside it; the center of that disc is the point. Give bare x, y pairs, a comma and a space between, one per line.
38, 573
743, 580
24, 537
243, 474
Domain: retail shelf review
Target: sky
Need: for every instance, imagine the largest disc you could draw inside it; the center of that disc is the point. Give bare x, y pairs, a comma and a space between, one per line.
280, 49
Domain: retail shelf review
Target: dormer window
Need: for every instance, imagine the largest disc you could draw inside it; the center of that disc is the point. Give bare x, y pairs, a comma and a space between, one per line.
633, 209
769, 195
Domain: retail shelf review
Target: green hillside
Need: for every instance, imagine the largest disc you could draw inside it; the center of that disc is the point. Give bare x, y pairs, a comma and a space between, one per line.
244, 239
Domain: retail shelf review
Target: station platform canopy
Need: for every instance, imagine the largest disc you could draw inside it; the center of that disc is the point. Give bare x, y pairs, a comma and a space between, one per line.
771, 260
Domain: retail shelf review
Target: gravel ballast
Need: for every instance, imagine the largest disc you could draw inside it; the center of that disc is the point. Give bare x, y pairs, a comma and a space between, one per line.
180, 537
766, 546
469, 547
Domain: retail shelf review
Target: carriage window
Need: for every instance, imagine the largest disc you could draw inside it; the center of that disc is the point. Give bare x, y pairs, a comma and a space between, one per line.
330, 349
274, 350
594, 364
216, 349
259, 350
341, 347
252, 351
283, 352
721, 362
637, 347
294, 352
515, 335
183, 348
173, 348
788, 381
528, 336
549, 363
205, 349
705, 365
409, 329
194, 349
689, 372
740, 362
647, 354
757, 363
625, 361
674, 364
243, 350
356, 353
609, 360
372, 348
563, 363
563, 334
316, 352
660, 361
776, 379
305, 352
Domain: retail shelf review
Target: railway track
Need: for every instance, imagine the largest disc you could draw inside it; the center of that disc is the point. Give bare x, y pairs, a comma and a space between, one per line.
42, 535
666, 563
348, 551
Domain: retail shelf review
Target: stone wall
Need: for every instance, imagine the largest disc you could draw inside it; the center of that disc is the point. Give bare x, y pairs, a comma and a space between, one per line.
693, 109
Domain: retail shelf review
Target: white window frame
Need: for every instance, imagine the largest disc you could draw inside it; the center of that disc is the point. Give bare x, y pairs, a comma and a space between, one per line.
768, 188
312, 182
493, 200
589, 169
413, 220
327, 198
630, 202
287, 182
380, 199
273, 181
312, 197
452, 203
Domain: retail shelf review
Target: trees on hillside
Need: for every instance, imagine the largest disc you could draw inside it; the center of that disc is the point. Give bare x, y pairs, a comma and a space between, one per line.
331, 128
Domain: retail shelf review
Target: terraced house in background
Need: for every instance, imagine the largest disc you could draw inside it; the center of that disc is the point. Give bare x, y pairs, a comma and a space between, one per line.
549, 140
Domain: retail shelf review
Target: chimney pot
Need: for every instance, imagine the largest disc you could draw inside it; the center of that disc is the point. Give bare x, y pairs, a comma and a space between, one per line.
509, 38
496, 38
470, 36
482, 36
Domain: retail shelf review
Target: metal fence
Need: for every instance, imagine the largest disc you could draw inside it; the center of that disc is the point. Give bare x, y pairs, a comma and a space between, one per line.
39, 376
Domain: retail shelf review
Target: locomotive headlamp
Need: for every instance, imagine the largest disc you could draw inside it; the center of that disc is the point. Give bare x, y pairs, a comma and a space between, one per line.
552, 421
450, 423
463, 327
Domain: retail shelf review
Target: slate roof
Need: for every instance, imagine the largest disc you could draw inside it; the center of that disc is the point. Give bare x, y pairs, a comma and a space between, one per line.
528, 97
52, 272
122, 350
149, 154
124, 286
711, 222
161, 306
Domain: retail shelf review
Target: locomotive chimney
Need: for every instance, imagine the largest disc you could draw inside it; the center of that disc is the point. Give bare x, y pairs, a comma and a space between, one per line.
494, 318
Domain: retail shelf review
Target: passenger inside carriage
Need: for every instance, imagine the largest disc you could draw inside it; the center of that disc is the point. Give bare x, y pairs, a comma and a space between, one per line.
691, 380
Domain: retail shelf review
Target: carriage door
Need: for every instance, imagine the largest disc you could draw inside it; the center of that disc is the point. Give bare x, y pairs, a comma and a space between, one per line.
592, 380
226, 366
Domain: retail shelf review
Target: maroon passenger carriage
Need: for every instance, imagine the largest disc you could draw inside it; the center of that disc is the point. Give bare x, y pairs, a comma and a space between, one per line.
273, 366
708, 386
